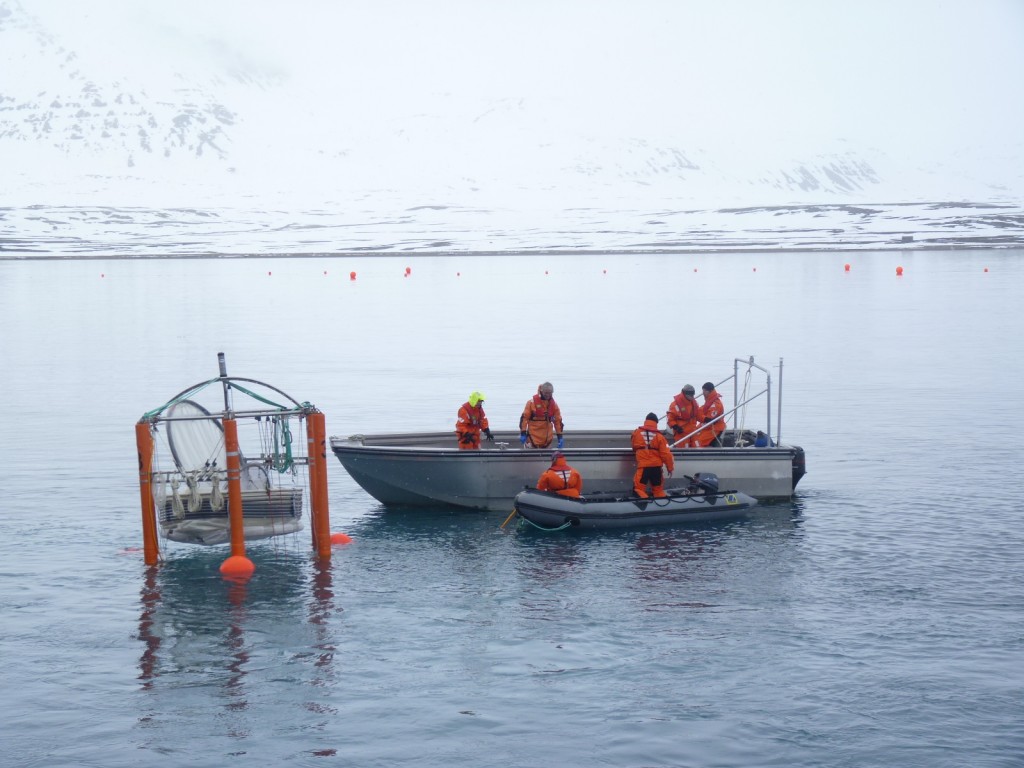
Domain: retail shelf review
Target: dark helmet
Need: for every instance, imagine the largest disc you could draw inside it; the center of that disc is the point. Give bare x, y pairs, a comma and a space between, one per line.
652, 416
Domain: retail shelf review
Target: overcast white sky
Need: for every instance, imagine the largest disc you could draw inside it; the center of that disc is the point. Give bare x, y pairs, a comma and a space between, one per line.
914, 72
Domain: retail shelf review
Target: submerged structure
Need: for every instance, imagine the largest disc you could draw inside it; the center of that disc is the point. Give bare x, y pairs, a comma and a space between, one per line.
209, 476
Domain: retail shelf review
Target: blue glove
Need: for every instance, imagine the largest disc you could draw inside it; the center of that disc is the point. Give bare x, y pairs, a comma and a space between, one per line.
522, 438
561, 441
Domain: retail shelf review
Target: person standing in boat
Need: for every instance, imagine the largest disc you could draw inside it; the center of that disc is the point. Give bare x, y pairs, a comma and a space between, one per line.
561, 478
684, 416
541, 421
652, 453
471, 422
711, 433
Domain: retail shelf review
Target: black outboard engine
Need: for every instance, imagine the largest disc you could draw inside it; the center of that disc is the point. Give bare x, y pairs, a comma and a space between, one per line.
703, 482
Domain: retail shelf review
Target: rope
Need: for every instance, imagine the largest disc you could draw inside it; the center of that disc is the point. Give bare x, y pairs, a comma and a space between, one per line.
255, 396
562, 527
183, 396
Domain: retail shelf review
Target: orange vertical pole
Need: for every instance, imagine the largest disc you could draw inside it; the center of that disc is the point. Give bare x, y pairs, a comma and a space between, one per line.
144, 441
322, 521
311, 464
238, 565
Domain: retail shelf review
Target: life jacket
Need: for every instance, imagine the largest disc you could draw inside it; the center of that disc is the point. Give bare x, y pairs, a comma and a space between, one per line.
686, 410
541, 409
474, 414
713, 408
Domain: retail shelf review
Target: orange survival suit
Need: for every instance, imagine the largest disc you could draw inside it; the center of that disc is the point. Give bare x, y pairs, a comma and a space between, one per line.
541, 420
471, 422
651, 451
713, 408
684, 416
561, 478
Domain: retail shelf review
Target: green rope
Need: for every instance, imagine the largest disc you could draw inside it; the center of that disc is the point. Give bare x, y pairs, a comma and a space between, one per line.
282, 465
183, 396
562, 527
257, 397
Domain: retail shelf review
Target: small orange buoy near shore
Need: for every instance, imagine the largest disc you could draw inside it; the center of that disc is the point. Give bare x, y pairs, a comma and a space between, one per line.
340, 538
846, 267
351, 275
408, 271
899, 271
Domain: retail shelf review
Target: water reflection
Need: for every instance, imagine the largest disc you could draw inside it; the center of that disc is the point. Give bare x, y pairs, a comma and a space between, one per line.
199, 630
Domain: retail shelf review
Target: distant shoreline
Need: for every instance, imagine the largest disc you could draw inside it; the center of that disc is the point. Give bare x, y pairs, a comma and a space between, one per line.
883, 247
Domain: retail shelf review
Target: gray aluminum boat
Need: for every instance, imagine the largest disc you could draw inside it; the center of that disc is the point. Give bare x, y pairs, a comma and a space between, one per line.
428, 469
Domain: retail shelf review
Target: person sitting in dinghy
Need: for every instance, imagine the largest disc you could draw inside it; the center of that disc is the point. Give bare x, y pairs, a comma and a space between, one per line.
471, 422
651, 451
561, 478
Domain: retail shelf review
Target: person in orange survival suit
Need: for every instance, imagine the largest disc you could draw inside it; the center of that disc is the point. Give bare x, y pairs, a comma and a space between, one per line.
711, 434
561, 478
471, 422
541, 419
651, 451
684, 416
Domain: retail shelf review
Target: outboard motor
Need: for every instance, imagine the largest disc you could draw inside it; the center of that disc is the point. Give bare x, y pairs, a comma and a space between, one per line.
704, 482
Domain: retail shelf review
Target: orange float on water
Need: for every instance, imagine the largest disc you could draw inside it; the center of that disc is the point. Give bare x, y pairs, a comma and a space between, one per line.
340, 538
899, 271
237, 567
351, 275
846, 267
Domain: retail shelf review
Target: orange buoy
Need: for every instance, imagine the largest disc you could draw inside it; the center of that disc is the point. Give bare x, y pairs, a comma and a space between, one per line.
899, 271
237, 567
846, 267
408, 271
340, 538
351, 275
986, 269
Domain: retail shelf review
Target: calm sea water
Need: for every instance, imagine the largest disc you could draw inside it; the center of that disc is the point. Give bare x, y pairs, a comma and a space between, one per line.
877, 620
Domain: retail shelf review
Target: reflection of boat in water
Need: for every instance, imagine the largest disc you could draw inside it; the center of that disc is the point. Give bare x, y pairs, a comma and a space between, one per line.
427, 468
701, 502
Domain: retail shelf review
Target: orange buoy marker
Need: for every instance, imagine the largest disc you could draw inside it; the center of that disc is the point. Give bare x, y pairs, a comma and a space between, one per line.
351, 275
899, 271
408, 271
238, 566
846, 267
340, 538
986, 269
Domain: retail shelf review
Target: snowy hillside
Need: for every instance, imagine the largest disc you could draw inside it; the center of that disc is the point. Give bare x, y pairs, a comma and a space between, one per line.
146, 113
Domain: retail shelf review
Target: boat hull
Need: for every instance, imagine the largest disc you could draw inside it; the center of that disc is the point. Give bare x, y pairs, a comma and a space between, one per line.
428, 469
551, 511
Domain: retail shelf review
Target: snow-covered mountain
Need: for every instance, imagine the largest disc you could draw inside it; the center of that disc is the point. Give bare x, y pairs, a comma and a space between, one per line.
165, 118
